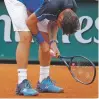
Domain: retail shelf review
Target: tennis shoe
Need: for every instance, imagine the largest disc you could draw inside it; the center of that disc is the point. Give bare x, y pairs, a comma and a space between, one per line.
25, 89
47, 85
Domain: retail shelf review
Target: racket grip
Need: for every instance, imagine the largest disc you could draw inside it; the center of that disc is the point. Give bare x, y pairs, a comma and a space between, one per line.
53, 54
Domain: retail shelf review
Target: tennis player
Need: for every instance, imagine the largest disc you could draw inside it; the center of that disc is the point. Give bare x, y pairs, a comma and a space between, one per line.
46, 84
51, 15
48, 25
18, 13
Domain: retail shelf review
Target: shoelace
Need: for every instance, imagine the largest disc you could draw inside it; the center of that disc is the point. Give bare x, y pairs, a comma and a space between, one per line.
27, 84
51, 82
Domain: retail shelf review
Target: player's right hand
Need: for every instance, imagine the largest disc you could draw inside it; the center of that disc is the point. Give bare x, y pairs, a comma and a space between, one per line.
55, 49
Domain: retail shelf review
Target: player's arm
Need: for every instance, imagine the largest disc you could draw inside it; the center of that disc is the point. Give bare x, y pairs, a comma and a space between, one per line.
36, 34
32, 23
53, 30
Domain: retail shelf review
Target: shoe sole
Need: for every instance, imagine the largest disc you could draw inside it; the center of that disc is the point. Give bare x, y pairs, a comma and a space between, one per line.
62, 91
27, 94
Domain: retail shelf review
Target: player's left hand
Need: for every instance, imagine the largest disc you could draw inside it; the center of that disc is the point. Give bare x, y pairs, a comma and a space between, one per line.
54, 48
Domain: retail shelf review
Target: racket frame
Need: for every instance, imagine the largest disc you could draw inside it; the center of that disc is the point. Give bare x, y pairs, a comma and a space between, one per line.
63, 58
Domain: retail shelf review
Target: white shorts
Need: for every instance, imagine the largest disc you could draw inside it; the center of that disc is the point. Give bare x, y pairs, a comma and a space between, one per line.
18, 14
43, 25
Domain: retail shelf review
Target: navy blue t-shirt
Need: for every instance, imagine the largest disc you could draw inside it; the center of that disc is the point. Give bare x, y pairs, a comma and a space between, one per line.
32, 5
50, 9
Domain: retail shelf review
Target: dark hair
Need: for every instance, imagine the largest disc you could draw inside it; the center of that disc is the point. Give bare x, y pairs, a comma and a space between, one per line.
70, 23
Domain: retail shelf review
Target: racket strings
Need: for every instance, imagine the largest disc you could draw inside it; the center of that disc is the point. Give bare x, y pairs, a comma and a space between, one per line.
82, 69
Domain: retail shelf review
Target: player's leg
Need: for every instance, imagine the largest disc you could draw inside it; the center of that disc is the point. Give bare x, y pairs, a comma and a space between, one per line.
44, 58
45, 84
18, 14
22, 51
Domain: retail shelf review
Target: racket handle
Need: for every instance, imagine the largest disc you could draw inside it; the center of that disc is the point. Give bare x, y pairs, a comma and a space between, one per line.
53, 54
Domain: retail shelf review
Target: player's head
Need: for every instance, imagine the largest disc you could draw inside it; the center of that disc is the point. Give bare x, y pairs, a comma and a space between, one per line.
70, 22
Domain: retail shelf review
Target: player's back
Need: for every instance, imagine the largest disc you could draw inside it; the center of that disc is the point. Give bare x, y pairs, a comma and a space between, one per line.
32, 5
52, 8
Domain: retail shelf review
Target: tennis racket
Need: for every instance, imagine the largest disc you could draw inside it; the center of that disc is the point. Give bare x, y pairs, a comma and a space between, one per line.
81, 68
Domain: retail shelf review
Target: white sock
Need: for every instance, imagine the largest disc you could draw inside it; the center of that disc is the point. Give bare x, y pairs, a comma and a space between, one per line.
44, 72
22, 74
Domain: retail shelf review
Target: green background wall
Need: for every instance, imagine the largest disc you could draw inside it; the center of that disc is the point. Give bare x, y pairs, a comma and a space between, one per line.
71, 46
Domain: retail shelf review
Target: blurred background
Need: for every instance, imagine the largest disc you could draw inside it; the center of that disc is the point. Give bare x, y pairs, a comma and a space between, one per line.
84, 42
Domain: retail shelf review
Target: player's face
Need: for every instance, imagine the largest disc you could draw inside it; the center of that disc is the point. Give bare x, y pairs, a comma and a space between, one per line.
60, 18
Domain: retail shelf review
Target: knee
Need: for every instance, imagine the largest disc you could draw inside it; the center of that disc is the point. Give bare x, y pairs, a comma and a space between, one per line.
44, 47
26, 39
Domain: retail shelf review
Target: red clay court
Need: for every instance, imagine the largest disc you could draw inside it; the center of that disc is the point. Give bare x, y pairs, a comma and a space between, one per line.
61, 74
